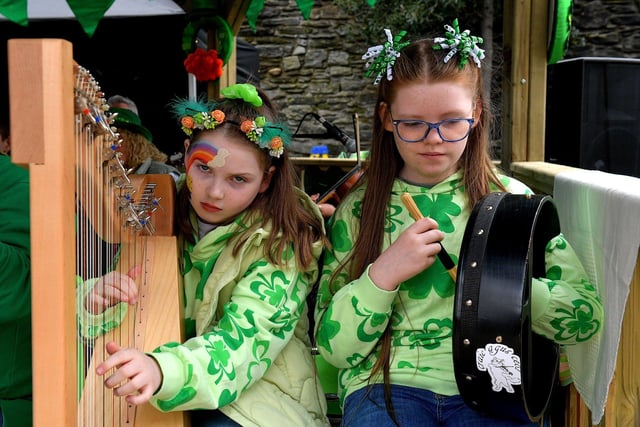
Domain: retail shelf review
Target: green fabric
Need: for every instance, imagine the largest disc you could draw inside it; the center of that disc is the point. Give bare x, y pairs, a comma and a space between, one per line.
17, 412
248, 350
305, 7
127, 119
15, 11
256, 6
91, 325
561, 31
565, 306
89, 13
15, 302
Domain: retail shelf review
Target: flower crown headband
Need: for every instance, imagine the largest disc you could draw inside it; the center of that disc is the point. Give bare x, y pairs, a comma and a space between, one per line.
381, 58
201, 115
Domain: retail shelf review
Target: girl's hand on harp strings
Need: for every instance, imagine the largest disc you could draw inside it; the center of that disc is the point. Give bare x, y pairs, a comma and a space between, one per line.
111, 289
137, 375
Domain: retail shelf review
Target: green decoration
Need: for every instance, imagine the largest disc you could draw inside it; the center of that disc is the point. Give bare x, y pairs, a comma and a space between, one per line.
255, 7
381, 58
15, 11
246, 92
561, 30
224, 34
461, 42
90, 13
305, 7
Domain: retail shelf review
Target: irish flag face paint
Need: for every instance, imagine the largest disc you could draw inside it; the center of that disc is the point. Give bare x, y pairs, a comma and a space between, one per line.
207, 154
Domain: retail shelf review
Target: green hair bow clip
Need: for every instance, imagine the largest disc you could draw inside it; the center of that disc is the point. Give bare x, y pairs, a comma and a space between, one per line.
381, 58
462, 42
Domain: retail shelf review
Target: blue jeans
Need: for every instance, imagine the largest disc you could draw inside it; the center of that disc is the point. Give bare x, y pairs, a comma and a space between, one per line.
210, 418
414, 407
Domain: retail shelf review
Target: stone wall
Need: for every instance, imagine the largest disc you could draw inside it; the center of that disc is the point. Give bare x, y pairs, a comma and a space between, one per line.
605, 28
316, 66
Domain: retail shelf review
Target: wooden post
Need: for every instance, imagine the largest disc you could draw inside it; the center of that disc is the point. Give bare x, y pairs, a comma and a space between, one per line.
525, 80
42, 136
234, 12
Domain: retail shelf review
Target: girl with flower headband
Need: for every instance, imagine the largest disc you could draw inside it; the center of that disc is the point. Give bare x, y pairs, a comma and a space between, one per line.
250, 242
385, 303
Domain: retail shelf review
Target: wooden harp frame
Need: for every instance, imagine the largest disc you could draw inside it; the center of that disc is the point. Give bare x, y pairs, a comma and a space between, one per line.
41, 89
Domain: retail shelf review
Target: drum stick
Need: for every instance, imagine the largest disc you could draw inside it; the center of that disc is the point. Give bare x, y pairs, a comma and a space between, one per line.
443, 255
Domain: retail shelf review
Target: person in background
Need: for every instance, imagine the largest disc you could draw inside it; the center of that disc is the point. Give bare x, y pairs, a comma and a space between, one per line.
250, 242
138, 152
15, 296
385, 302
5, 140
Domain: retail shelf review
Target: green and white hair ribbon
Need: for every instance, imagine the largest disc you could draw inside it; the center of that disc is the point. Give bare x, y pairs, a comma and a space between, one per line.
462, 42
380, 58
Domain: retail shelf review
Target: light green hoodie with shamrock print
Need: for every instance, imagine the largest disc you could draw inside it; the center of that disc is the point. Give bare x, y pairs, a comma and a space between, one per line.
350, 317
249, 352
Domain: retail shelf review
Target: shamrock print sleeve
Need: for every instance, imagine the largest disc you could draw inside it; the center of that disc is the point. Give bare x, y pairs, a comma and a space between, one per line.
565, 307
214, 369
91, 326
350, 322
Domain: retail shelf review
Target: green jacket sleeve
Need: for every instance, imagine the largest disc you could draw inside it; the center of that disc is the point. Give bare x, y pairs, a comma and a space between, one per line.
350, 316
214, 369
15, 242
565, 305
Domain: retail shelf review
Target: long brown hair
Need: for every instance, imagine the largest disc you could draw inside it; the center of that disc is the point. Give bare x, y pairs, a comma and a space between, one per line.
418, 62
292, 223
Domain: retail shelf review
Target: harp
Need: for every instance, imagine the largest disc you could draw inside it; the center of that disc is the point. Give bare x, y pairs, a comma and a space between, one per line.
60, 130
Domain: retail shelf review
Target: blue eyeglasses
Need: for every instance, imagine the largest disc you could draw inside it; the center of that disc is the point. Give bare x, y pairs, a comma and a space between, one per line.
449, 130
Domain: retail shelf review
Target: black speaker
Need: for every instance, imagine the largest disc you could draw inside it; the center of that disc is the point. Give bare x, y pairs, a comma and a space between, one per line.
593, 114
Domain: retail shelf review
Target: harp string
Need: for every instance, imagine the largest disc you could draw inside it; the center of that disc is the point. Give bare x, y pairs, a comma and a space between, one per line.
116, 220
105, 224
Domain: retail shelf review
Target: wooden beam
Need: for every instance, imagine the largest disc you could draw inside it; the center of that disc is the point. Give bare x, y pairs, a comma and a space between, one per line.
41, 89
537, 80
525, 80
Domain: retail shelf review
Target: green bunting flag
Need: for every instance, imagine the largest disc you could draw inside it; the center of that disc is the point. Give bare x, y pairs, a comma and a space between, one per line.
90, 13
305, 7
256, 6
15, 11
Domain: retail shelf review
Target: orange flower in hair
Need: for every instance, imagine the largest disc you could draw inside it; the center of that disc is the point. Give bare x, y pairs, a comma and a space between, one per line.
218, 115
202, 114
246, 126
276, 144
187, 122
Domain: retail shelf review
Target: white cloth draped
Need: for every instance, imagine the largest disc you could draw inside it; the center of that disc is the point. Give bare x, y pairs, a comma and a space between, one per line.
600, 216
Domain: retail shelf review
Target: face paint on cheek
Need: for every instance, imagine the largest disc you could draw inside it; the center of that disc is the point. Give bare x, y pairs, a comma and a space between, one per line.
190, 183
218, 161
203, 152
